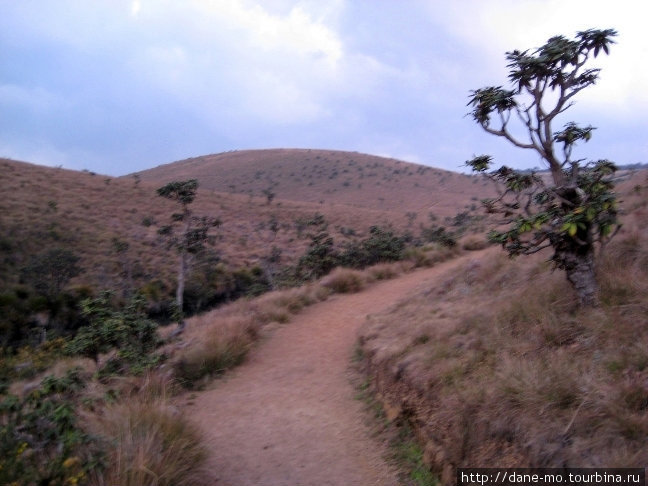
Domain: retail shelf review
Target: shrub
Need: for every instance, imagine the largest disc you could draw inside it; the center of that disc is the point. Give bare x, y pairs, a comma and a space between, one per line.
129, 331
40, 440
438, 234
382, 245
320, 258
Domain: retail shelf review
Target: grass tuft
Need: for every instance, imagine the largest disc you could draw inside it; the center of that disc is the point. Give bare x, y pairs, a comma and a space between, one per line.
222, 347
344, 281
148, 443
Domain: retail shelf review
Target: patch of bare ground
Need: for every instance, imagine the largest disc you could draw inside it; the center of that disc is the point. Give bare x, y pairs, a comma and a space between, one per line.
493, 364
288, 415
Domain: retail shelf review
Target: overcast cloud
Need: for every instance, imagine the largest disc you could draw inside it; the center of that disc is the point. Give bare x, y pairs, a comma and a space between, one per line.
116, 86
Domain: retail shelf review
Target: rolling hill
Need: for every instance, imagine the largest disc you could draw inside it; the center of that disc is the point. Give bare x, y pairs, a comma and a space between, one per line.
325, 177
111, 224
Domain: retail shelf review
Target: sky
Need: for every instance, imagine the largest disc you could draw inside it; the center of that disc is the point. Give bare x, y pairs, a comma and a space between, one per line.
118, 86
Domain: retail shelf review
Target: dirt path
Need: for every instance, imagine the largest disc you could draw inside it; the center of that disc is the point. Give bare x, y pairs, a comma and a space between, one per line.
288, 416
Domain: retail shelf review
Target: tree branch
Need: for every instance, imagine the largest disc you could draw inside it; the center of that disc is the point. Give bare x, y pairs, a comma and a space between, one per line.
506, 134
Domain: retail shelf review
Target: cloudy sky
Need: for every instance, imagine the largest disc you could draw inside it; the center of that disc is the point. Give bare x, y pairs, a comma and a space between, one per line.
116, 86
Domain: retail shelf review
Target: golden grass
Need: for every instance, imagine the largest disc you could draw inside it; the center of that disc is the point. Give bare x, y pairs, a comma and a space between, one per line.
148, 441
221, 339
499, 367
345, 281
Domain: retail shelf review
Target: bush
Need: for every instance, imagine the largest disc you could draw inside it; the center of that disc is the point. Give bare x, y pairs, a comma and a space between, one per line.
40, 440
382, 245
128, 331
438, 234
320, 258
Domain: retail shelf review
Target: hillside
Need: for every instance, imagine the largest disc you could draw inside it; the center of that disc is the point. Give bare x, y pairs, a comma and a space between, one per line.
47, 207
495, 364
488, 360
52, 207
327, 176
110, 226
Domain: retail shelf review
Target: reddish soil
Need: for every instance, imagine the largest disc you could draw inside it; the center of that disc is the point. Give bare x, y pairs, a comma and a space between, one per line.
288, 416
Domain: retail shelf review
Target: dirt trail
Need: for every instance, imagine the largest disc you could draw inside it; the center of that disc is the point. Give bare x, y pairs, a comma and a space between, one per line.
288, 417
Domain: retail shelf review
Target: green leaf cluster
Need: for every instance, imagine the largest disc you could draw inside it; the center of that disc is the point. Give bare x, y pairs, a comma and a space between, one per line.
578, 216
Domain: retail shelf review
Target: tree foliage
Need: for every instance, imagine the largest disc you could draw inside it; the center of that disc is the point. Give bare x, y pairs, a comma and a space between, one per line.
49, 272
191, 236
576, 208
41, 441
126, 330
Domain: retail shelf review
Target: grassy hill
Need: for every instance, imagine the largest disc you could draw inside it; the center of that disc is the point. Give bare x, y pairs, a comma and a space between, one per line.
495, 364
326, 176
86, 212
490, 364
110, 225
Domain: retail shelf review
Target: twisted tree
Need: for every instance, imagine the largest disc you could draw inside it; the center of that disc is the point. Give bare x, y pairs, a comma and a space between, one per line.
575, 208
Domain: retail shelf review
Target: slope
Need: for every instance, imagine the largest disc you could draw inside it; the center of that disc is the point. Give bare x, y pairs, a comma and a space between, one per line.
88, 213
326, 176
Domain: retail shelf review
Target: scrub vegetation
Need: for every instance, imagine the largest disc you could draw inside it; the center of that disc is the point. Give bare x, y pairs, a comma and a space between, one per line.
498, 364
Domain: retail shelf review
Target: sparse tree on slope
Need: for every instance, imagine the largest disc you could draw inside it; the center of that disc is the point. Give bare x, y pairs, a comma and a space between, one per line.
578, 209
190, 239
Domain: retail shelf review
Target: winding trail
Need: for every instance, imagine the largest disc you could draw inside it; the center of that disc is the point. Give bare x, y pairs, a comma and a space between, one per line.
288, 417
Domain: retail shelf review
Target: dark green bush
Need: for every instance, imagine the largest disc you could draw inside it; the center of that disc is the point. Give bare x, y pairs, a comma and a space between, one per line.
438, 234
40, 440
127, 330
320, 258
382, 245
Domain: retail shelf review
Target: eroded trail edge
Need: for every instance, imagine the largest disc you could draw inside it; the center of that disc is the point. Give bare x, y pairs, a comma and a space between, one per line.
288, 417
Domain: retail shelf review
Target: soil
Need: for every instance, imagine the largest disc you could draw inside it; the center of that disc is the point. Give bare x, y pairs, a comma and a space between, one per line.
288, 416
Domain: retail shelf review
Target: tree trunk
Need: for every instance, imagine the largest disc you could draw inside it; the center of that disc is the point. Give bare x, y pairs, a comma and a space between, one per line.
182, 271
579, 267
575, 254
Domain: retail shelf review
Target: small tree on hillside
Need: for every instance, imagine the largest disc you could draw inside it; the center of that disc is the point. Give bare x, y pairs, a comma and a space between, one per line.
576, 209
190, 238
49, 272
126, 329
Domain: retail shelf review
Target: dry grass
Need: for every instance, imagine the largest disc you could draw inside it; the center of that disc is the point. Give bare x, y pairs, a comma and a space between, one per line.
219, 349
220, 339
475, 243
345, 281
332, 177
148, 441
47, 207
499, 367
